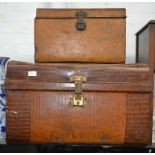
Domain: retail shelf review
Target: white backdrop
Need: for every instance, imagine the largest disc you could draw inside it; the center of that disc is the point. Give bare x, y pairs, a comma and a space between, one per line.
17, 25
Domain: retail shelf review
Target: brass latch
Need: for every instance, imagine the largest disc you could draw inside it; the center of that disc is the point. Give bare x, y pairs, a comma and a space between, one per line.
77, 99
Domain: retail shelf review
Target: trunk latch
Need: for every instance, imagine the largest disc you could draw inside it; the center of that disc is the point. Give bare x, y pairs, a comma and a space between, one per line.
77, 99
81, 25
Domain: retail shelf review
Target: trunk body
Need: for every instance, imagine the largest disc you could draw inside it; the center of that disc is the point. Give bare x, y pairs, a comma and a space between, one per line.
118, 106
59, 39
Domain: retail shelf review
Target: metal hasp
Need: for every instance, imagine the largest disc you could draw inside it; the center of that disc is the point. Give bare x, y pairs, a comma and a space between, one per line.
81, 25
77, 99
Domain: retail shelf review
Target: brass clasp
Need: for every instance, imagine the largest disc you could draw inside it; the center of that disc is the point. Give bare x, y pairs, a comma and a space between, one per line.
77, 99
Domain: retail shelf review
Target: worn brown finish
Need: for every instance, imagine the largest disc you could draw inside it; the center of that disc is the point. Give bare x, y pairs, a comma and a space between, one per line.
91, 13
67, 124
139, 118
18, 117
118, 108
54, 121
145, 45
58, 40
101, 77
96, 73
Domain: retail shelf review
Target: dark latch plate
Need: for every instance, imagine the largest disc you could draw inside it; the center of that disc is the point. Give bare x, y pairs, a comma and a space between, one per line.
81, 25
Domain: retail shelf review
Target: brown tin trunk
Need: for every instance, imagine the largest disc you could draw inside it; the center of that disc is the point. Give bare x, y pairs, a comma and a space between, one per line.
75, 35
118, 107
145, 44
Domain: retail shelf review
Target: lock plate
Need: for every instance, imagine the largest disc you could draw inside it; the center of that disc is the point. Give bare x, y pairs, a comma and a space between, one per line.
81, 25
77, 99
